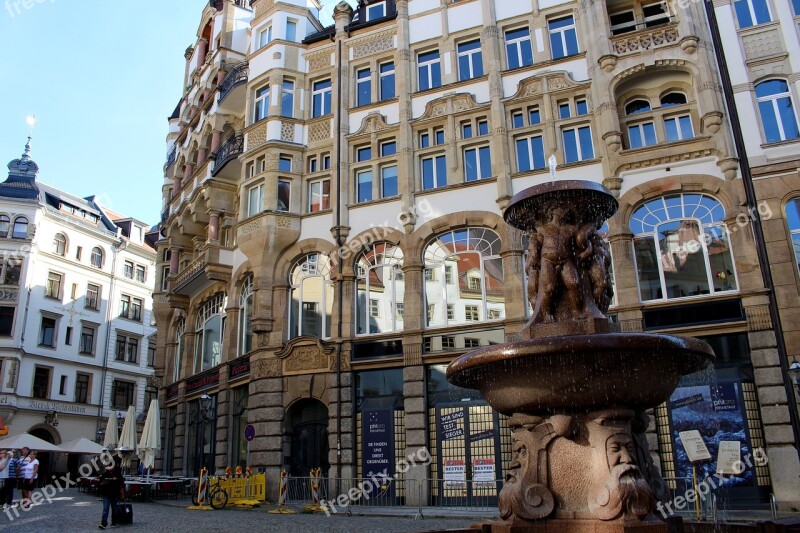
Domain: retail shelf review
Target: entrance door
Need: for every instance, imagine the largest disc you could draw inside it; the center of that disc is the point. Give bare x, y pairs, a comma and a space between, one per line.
308, 426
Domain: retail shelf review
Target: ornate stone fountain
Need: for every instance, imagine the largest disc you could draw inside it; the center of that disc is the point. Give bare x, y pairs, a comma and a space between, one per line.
575, 389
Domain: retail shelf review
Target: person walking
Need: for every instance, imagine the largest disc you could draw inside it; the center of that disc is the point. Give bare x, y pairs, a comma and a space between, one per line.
31, 474
111, 483
13, 472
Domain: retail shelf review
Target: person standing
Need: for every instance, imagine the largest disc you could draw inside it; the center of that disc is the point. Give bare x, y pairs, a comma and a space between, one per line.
13, 472
4, 482
31, 474
111, 483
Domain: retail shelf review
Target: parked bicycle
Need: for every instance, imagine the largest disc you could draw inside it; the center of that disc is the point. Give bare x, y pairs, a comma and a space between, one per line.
216, 496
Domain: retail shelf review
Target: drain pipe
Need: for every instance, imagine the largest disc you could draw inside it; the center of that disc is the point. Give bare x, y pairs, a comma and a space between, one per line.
340, 285
752, 206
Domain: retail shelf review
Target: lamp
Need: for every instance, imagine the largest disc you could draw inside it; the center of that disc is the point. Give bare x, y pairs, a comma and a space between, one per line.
205, 414
205, 405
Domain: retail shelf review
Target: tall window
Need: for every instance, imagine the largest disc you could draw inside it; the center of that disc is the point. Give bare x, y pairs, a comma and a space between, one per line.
311, 297
97, 257
47, 332
477, 163
777, 111
319, 194
12, 269
82, 387
321, 98
363, 87
470, 60
130, 308
5, 223
386, 81
127, 269
53, 287
140, 274
7, 321
642, 134
752, 12
92, 296
518, 48
20, 228
379, 287
678, 128
122, 393
41, 382
563, 38
246, 311
255, 200
530, 153
434, 172
127, 348
287, 98
364, 186
87, 340
178, 359
577, 144
262, 103
209, 331
291, 30
264, 37
472, 253
793, 218
389, 181
284, 195
60, 244
796, 7
681, 247
429, 70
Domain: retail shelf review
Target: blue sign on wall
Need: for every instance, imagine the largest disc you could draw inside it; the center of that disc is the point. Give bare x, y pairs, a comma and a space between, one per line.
377, 436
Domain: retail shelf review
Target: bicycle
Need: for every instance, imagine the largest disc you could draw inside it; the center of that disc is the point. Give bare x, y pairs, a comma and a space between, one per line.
216, 496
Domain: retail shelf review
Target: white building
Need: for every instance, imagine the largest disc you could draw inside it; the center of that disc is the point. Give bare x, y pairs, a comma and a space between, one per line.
77, 337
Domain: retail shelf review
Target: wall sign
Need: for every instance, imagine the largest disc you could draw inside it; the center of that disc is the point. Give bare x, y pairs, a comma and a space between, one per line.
239, 368
202, 382
377, 434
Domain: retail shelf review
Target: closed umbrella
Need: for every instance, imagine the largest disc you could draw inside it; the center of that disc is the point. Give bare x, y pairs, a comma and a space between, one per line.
112, 432
151, 436
127, 439
26, 440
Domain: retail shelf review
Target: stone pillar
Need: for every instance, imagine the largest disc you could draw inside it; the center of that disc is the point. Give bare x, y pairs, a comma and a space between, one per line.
405, 137
216, 137
416, 435
213, 226
201, 156
202, 49
174, 260
188, 169
265, 411
221, 460
341, 446
413, 298
179, 463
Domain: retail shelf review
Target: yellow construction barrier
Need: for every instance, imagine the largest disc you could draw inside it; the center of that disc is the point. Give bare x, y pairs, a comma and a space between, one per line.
245, 491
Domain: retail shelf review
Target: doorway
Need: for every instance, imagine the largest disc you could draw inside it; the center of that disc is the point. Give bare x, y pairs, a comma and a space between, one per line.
307, 426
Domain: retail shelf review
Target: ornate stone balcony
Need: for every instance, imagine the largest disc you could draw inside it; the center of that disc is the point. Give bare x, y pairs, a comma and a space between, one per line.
643, 40
212, 264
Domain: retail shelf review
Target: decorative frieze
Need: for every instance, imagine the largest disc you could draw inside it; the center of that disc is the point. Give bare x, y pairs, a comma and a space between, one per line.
257, 137
373, 44
645, 40
319, 131
758, 318
251, 227
319, 61
287, 131
761, 44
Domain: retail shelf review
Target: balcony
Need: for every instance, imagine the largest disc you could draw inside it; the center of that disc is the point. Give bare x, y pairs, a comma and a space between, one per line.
207, 268
235, 78
644, 40
230, 151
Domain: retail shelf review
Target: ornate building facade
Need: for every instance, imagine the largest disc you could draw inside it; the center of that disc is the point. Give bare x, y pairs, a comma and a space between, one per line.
332, 230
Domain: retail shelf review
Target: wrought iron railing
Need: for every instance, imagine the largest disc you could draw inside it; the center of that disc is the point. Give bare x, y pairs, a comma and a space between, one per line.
235, 77
232, 149
172, 155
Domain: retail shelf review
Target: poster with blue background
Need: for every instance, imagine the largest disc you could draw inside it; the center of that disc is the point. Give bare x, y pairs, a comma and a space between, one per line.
377, 435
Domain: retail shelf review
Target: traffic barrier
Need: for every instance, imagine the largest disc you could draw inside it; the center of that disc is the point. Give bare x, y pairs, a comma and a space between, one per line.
247, 491
314, 478
202, 490
283, 496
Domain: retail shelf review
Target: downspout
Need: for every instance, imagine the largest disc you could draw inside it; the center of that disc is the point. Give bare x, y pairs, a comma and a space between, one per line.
752, 206
340, 289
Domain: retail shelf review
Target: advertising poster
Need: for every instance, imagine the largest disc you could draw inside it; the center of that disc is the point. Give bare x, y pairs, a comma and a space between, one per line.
483, 471
455, 473
451, 425
717, 413
377, 435
729, 460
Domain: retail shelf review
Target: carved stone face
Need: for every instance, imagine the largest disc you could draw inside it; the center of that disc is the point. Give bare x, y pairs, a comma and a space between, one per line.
620, 450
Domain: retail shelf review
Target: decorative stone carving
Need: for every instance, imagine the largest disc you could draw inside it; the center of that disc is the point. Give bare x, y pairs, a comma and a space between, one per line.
644, 40
319, 131
287, 131
283, 222
607, 62
257, 137
758, 318
251, 227
446, 105
613, 140
374, 44
305, 354
265, 368
7, 295
372, 123
711, 122
761, 44
319, 61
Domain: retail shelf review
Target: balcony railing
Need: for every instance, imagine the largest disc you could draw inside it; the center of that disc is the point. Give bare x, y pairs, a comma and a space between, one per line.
191, 270
235, 77
172, 155
630, 43
232, 149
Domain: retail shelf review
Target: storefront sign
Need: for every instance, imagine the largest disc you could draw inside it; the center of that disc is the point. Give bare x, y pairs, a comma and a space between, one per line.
695, 447
483, 470
451, 425
202, 382
239, 368
454, 473
172, 391
6, 400
58, 407
377, 434
729, 458
724, 397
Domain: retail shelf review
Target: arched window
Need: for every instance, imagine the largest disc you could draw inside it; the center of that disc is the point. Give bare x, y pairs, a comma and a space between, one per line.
60, 244
793, 217
178, 360
777, 111
20, 228
681, 247
673, 99
311, 296
5, 222
97, 257
463, 278
209, 333
637, 106
380, 287
246, 306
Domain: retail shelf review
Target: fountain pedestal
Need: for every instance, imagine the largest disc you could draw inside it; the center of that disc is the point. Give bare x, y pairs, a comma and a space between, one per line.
575, 390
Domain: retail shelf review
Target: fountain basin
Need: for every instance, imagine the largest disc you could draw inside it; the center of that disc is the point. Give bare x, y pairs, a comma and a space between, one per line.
580, 372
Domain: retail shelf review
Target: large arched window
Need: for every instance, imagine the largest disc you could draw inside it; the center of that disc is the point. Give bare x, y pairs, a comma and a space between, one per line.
20, 228
311, 296
246, 301
209, 333
463, 278
793, 217
681, 247
178, 360
380, 287
777, 111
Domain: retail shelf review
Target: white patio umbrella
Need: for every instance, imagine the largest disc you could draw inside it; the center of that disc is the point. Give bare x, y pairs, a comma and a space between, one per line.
26, 440
127, 439
81, 445
112, 432
151, 436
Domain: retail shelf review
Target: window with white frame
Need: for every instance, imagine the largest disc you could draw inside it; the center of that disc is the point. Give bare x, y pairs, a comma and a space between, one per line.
284, 164
386, 81
577, 144
363, 87
127, 348
752, 12
93, 296
291, 30
434, 172
130, 307
519, 50
287, 98
177, 361
319, 193
87, 343
12, 268
563, 37
255, 200
379, 289
311, 297
681, 247
389, 181
47, 332
20, 230
246, 314
261, 103
5, 224
364, 185
209, 333
264, 37
429, 69
376, 11
477, 163
776, 106
60, 244
54, 283
474, 251
678, 128
655, 14
796, 7
622, 22
321, 98
470, 60
793, 220
642, 134
530, 153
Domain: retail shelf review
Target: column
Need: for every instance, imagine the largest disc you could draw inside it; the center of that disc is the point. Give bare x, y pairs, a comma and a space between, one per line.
188, 170
213, 226
174, 260
216, 137
202, 49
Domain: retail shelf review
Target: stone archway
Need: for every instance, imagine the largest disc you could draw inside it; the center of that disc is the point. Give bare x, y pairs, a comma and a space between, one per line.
307, 430
46, 459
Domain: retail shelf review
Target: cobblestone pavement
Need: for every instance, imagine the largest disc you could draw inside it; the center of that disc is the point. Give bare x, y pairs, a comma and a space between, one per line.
75, 511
